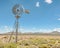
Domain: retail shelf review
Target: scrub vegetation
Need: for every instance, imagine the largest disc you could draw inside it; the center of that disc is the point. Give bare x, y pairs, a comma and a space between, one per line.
32, 41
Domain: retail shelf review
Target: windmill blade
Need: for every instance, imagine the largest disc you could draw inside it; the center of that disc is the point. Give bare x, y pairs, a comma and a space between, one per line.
27, 11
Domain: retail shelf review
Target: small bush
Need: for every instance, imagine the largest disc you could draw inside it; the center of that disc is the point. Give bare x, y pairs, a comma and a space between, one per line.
10, 45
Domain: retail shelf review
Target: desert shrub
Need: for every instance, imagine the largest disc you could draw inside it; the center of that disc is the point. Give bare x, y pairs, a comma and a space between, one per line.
10, 45
21, 46
25, 42
43, 46
1, 45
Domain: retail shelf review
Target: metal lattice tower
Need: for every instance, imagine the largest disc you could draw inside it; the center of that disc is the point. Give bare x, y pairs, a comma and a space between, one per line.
18, 10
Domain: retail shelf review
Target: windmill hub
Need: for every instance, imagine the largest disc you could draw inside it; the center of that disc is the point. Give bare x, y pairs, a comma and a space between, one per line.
17, 16
18, 9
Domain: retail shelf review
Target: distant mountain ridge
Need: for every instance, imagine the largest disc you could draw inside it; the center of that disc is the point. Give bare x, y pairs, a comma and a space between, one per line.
36, 33
55, 32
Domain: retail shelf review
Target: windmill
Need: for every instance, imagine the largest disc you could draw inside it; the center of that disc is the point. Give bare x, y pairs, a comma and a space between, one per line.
18, 10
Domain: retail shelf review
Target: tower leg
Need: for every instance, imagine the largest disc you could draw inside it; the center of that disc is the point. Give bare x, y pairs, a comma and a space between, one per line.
17, 23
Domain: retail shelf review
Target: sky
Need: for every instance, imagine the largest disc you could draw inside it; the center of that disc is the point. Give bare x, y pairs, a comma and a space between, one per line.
44, 16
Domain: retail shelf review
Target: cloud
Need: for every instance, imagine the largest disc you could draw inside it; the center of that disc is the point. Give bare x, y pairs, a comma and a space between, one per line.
4, 29
25, 30
37, 4
58, 19
48, 1
34, 29
45, 30
56, 29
